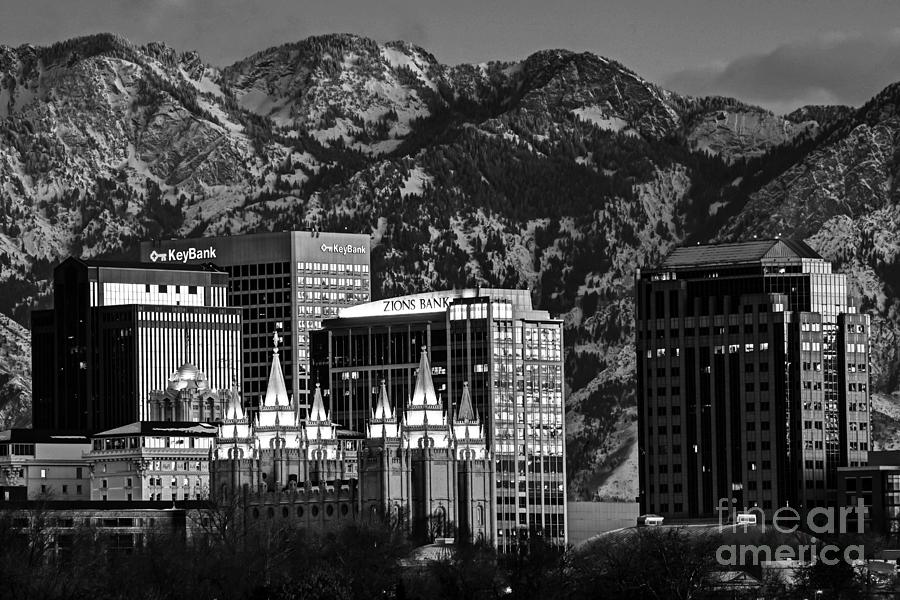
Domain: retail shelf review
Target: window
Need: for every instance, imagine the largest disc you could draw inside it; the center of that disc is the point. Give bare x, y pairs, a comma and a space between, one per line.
43, 473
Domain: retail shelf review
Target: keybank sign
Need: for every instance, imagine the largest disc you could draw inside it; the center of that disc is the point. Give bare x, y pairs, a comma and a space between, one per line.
342, 249
183, 256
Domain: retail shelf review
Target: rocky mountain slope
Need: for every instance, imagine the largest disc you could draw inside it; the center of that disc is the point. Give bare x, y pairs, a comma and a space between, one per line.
562, 173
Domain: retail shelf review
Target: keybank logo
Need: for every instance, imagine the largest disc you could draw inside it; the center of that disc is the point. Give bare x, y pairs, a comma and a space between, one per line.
183, 256
343, 249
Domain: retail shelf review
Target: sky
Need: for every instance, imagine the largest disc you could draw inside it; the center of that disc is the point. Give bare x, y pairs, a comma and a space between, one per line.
779, 54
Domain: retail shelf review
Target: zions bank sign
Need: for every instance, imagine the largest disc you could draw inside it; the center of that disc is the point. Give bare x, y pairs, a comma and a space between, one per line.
183, 256
406, 305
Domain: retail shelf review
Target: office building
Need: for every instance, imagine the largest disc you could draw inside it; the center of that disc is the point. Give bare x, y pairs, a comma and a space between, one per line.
151, 460
876, 486
489, 342
752, 379
294, 278
43, 465
114, 333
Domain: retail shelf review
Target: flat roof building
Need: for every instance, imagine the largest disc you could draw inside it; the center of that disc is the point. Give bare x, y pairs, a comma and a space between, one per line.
508, 355
43, 465
118, 330
752, 380
152, 460
293, 278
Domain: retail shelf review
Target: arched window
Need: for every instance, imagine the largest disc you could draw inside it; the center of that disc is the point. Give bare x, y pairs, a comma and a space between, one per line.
479, 516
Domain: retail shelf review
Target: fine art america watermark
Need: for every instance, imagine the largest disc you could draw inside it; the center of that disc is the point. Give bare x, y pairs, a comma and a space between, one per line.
787, 520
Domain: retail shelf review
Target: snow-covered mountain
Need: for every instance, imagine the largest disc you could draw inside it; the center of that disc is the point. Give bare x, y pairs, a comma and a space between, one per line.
562, 173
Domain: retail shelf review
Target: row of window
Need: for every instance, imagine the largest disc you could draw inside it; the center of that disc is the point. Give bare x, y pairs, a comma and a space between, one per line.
705, 331
16, 449
332, 267
334, 282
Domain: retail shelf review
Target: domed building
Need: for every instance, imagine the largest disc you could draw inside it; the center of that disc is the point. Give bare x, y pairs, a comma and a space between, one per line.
188, 397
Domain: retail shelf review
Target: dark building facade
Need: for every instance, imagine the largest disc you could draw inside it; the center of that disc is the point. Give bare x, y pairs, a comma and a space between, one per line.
752, 379
875, 486
293, 279
114, 333
491, 341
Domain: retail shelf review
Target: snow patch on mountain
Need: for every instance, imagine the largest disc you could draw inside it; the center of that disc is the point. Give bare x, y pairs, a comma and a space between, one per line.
601, 118
415, 182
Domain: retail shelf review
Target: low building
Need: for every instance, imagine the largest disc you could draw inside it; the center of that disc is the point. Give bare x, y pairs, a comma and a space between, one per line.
119, 526
587, 519
877, 486
37, 464
151, 460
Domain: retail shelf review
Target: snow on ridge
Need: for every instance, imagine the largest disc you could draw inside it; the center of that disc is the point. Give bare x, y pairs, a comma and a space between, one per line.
596, 115
415, 182
397, 58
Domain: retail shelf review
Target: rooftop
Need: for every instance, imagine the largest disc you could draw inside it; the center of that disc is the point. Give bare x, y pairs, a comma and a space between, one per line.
738, 253
43, 436
124, 264
163, 428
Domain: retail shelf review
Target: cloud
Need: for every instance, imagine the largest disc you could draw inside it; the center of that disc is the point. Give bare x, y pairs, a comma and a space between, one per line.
829, 69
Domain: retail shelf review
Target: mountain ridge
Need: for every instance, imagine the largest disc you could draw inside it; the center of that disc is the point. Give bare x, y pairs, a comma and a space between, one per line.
560, 173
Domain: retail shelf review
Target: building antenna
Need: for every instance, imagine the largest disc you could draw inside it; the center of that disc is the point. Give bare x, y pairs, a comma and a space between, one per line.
187, 340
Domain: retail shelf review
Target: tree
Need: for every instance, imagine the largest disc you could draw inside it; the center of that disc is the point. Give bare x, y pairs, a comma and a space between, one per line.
652, 563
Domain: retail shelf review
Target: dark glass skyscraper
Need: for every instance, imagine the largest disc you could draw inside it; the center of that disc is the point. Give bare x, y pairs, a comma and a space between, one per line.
118, 330
752, 379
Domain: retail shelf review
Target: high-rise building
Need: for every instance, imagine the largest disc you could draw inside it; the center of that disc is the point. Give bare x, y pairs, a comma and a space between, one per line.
491, 344
752, 379
292, 278
114, 333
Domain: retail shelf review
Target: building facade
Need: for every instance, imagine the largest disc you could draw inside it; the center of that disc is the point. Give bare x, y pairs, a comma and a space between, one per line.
752, 379
114, 333
43, 465
491, 344
151, 460
293, 279
876, 486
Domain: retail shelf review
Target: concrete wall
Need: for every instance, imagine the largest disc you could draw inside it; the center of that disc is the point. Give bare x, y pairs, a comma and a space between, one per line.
587, 519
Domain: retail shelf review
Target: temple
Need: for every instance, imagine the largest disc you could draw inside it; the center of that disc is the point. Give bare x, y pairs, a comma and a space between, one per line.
428, 472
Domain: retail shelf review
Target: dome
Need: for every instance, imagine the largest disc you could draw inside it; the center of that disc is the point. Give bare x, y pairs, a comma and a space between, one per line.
187, 377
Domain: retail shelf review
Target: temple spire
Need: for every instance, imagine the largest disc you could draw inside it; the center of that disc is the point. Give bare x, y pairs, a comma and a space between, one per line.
235, 409
317, 413
276, 392
424, 392
383, 408
465, 412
